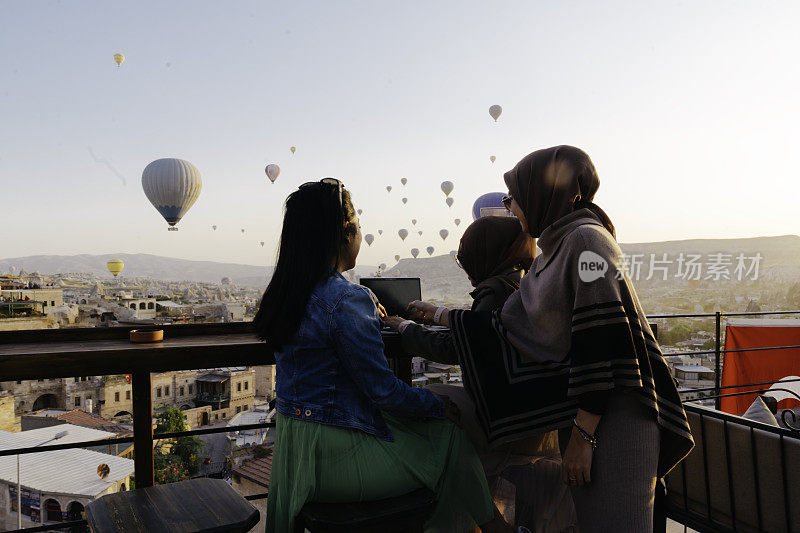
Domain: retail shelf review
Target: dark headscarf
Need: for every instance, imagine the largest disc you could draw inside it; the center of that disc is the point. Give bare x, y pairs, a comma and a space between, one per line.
550, 183
493, 245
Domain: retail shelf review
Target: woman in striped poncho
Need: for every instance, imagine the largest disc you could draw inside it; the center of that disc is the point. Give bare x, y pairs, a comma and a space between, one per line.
576, 331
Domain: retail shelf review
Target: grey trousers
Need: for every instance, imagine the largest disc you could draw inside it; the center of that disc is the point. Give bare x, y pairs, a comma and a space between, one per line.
619, 498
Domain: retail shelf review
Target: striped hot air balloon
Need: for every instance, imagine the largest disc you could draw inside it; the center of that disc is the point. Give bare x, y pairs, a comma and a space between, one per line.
115, 266
172, 186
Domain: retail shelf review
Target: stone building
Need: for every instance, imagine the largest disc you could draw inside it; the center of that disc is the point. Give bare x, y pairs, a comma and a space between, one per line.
228, 391
265, 381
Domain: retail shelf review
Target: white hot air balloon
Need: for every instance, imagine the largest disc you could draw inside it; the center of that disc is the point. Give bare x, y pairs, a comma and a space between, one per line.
492, 158
380, 232
419, 233
368, 238
403, 181
172, 186
397, 258
495, 112
430, 250
382, 266
388, 188
447, 187
443, 234
359, 212
403, 234
414, 221
273, 171
457, 221
404, 200
414, 252
449, 202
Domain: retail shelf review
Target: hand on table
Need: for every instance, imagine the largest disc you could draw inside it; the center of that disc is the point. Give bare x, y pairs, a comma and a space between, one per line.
393, 321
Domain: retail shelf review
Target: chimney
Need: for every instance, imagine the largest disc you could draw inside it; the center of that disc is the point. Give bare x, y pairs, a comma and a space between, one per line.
88, 405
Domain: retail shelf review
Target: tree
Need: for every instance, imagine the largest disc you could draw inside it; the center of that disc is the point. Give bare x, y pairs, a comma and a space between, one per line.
175, 459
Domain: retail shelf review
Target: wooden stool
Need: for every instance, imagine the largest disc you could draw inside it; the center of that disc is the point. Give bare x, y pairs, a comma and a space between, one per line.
403, 514
195, 505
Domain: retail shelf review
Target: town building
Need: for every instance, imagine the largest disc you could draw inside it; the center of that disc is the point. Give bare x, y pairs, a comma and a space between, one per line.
228, 391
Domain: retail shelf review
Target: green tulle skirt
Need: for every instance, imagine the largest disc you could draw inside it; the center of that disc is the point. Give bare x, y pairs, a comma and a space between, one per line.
318, 462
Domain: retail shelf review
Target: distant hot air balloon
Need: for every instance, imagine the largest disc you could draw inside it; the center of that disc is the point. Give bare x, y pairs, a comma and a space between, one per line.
214, 227
368, 238
262, 244
292, 149
172, 186
242, 231
495, 112
119, 58
419, 233
414, 252
397, 258
388, 188
403, 234
115, 266
449, 202
414, 221
380, 232
457, 221
447, 187
490, 199
359, 212
443, 234
430, 250
404, 200
492, 158
403, 181
382, 266
272, 171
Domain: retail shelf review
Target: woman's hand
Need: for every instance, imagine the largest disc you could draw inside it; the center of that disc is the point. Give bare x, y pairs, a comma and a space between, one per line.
451, 410
576, 466
393, 321
422, 310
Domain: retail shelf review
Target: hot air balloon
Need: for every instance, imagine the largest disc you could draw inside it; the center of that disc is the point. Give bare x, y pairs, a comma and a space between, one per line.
447, 187
449, 202
380, 232
419, 233
492, 158
403, 234
397, 258
262, 244
490, 199
368, 238
115, 266
119, 58
457, 221
382, 266
172, 186
292, 149
272, 171
414, 252
214, 227
359, 212
388, 188
403, 181
242, 231
429, 249
443, 234
495, 112
414, 221
404, 200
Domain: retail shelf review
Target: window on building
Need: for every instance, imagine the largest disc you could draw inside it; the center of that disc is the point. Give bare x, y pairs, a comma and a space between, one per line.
238, 387
190, 389
77, 401
151, 305
244, 408
223, 414
77, 379
245, 385
53, 303
216, 417
116, 396
158, 392
142, 306
133, 306
19, 382
127, 395
181, 391
238, 409
44, 304
166, 390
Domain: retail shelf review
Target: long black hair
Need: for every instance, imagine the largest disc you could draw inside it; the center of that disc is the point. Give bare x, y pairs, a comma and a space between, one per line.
315, 227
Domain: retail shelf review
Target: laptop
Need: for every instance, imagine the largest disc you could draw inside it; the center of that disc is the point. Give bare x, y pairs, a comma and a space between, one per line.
395, 293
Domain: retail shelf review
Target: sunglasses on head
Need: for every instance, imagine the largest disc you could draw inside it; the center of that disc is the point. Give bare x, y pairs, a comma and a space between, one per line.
328, 181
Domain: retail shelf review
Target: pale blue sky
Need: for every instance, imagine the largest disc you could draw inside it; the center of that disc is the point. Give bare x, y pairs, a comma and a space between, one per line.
687, 108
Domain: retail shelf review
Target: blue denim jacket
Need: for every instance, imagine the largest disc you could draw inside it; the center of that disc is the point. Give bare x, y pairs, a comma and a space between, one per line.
333, 370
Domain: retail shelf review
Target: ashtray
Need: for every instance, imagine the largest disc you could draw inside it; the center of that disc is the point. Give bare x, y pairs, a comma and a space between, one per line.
147, 335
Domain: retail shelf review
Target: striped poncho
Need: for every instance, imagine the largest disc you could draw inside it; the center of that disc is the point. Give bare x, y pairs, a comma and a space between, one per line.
574, 332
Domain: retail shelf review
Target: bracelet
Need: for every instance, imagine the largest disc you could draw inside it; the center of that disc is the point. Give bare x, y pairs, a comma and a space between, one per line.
591, 439
438, 315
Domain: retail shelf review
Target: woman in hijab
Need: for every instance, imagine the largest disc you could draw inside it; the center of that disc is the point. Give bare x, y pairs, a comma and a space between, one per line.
577, 336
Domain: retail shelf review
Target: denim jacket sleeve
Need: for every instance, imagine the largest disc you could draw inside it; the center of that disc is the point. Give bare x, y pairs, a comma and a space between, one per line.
356, 333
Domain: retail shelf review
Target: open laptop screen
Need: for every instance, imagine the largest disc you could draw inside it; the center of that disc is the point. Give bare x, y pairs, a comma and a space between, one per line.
395, 293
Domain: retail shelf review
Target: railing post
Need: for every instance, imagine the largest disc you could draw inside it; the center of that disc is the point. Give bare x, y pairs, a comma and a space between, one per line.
717, 352
142, 429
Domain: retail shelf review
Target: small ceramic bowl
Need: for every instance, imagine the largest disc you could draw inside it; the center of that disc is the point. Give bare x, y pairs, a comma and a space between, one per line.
147, 335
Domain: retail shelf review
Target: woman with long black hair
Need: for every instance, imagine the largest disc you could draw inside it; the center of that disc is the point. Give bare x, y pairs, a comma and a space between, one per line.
347, 428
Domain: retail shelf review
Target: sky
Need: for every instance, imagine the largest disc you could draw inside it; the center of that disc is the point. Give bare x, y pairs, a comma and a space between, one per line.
688, 110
